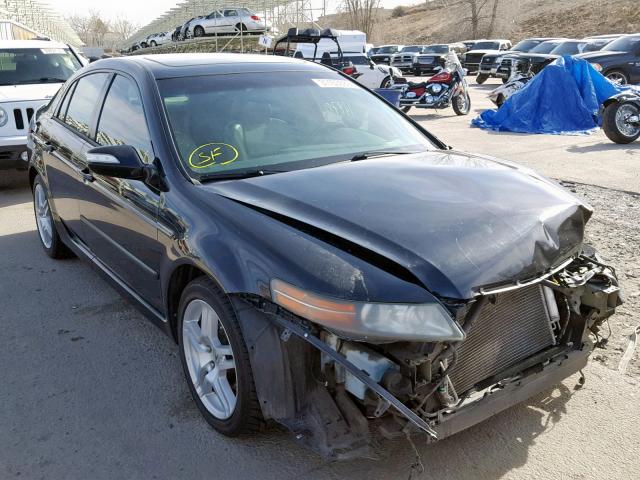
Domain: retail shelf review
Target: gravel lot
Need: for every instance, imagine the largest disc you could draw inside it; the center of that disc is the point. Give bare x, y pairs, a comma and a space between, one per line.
90, 389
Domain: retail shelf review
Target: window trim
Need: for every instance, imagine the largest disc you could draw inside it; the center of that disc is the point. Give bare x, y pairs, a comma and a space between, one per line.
109, 84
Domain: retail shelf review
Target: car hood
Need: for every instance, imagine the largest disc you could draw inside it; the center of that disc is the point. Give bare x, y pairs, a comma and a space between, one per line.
484, 52
535, 57
600, 56
24, 93
453, 221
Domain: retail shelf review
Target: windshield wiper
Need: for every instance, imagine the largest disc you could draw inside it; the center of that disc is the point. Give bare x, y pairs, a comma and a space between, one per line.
258, 172
376, 153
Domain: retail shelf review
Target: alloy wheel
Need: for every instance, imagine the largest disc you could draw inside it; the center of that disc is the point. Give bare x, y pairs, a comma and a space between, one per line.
617, 77
210, 359
622, 120
44, 220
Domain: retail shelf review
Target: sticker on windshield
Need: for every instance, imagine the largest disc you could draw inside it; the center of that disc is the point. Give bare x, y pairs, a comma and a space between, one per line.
212, 154
333, 83
52, 51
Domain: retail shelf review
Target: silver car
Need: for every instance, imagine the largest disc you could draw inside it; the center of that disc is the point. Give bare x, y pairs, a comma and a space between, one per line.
229, 20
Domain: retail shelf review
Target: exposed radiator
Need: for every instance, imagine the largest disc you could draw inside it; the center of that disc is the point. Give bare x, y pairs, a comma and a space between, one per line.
515, 327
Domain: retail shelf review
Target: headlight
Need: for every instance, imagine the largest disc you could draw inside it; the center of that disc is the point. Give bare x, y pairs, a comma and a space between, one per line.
436, 88
4, 117
597, 66
427, 322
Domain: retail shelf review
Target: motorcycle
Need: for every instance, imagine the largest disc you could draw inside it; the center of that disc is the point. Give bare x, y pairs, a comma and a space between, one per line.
621, 117
516, 82
447, 87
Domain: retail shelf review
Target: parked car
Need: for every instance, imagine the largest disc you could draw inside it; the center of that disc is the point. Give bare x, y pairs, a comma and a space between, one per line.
186, 32
514, 63
619, 61
229, 20
491, 61
534, 62
159, 39
175, 36
405, 58
384, 54
372, 51
470, 43
433, 58
371, 75
318, 266
32, 72
471, 60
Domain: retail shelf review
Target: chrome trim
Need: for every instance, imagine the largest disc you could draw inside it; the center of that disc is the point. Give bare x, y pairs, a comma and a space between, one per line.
519, 284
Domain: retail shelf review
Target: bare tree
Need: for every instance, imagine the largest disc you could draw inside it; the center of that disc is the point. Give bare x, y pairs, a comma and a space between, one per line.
363, 14
476, 15
123, 27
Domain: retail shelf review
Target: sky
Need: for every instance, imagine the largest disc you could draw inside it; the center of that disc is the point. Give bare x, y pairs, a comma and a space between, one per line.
142, 12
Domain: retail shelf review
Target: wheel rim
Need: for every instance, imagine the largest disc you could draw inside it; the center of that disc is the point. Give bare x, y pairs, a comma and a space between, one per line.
198, 32
462, 103
43, 216
210, 359
622, 117
617, 77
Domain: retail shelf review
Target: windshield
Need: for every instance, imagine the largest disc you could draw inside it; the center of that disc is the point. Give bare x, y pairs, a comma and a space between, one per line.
387, 50
569, 48
545, 47
436, 49
20, 66
525, 45
623, 44
414, 48
486, 46
356, 59
259, 122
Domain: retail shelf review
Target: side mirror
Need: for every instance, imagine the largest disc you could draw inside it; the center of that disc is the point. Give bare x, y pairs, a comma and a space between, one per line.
119, 161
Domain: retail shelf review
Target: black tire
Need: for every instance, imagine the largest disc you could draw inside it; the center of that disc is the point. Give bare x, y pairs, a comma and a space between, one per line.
456, 104
386, 82
153, 44
57, 249
198, 31
480, 79
241, 27
405, 109
504, 80
610, 125
417, 72
247, 416
500, 100
617, 76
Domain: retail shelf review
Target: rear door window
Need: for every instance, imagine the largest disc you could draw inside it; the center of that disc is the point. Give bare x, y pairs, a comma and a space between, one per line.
84, 102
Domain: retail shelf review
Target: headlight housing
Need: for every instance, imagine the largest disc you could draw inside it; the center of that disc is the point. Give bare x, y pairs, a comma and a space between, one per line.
4, 117
425, 322
597, 66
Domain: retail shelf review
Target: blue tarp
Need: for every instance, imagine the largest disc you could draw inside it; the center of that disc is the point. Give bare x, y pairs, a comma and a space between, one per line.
564, 98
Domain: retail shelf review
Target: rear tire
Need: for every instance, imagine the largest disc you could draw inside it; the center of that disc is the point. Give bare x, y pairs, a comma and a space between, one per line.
618, 76
613, 122
198, 31
214, 354
47, 233
480, 79
241, 27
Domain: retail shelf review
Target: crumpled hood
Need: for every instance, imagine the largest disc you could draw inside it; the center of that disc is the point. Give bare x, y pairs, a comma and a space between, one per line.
456, 222
25, 93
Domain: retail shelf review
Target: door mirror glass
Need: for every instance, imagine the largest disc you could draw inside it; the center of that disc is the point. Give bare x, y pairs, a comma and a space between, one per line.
119, 161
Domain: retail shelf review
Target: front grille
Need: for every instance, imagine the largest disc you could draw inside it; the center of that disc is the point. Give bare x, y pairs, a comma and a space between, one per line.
507, 332
473, 58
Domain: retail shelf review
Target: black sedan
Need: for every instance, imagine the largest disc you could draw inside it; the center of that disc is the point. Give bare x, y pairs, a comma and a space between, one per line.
619, 61
320, 258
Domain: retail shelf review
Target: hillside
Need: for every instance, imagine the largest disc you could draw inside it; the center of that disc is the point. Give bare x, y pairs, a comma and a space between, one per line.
516, 19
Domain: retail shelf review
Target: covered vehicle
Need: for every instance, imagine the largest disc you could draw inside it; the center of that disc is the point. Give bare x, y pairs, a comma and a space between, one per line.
565, 98
335, 268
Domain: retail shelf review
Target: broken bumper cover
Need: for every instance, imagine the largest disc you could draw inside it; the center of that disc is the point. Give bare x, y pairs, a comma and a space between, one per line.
511, 394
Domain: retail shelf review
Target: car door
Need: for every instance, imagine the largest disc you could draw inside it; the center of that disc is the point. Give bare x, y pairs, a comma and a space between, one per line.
230, 20
64, 138
119, 216
211, 23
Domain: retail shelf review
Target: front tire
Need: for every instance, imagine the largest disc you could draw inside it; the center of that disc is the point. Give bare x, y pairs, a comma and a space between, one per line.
198, 31
480, 79
461, 103
614, 122
49, 238
386, 82
618, 76
154, 44
215, 360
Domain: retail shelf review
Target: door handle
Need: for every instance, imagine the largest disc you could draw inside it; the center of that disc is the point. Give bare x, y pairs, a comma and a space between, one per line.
86, 175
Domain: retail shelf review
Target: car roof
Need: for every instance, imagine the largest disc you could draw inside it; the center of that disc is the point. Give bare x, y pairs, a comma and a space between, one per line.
31, 44
171, 65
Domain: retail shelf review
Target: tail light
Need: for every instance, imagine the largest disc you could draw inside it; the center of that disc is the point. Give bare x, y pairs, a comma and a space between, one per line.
255, 17
441, 77
349, 70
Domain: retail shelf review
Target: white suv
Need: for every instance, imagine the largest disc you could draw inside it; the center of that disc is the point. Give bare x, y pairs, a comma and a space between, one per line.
229, 20
31, 72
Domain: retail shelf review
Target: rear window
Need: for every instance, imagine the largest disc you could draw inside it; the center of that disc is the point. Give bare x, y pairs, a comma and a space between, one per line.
525, 45
486, 46
545, 47
23, 66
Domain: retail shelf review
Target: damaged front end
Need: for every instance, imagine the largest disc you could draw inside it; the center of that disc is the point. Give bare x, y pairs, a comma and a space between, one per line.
333, 388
